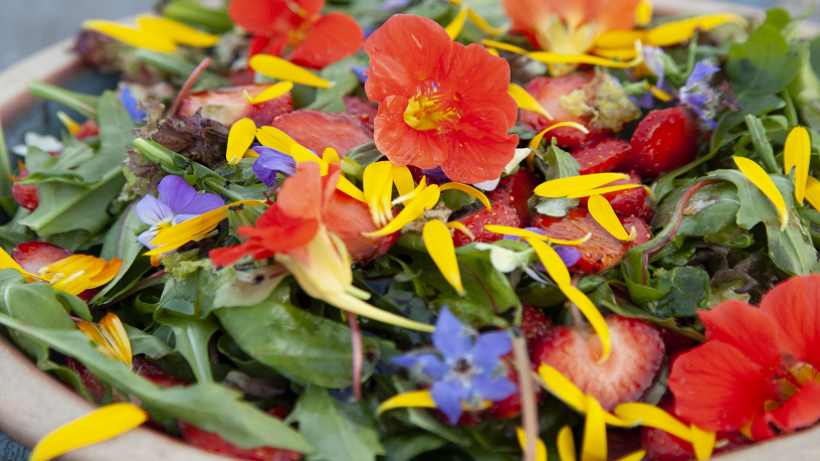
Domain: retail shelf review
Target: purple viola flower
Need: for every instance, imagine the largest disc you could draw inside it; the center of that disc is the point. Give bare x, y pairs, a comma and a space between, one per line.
699, 96
131, 104
437, 173
467, 368
269, 162
178, 202
359, 71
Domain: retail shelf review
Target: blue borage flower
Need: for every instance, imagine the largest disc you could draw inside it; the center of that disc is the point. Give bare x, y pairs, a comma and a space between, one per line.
178, 202
131, 103
467, 370
270, 162
360, 72
699, 96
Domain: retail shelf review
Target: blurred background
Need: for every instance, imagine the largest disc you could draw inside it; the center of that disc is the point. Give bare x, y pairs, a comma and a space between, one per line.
27, 26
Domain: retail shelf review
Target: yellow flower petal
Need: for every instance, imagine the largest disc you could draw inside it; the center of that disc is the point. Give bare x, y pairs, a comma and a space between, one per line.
378, 191
72, 283
562, 187
541, 448
623, 54
467, 190
634, 456
563, 388
173, 237
526, 101
675, 32
273, 92
113, 330
548, 57
594, 447
566, 444
812, 193
457, 24
439, 245
602, 190
103, 424
93, 333
280, 69
761, 179
403, 180
275, 138
593, 315
552, 262
7, 262
703, 442
178, 32
70, 125
797, 153
660, 94
331, 156
536, 141
493, 51
428, 198
483, 24
132, 36
643, 13
652, 416
350, 189
526, 234
240, 139
620, 39
107, 274
602, 211
413, 399
461, 228
504, 46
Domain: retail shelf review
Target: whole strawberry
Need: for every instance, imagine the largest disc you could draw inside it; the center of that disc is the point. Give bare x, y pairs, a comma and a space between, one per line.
664, 140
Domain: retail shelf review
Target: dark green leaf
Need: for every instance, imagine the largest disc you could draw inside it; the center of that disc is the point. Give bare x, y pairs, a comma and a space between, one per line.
191, 338
345, 81
689, 291
121, 242
405, 447
338, 431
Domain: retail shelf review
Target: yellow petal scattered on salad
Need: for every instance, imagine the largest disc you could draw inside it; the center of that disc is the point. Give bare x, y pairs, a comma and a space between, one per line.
643, 13
594, 446
413, 399
562, 187
548, 57
675, 32
132, 36
428, 198
467, 190
540, 447
440, 246
536, 141
758, 176
527, 234
566, 444
504, 46
240, 138
813, 192
103, 424
281, 69
526, 101
601, 210
177, 31
403, 180
273, 92
111, 336
797, 154
457, 24
703, 442
603, 190
652, 416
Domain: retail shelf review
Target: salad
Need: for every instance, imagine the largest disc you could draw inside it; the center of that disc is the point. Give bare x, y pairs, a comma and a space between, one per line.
418, 229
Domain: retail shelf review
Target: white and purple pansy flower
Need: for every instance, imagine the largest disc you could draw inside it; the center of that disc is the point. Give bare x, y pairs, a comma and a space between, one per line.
467, 369
178, 202
271, 161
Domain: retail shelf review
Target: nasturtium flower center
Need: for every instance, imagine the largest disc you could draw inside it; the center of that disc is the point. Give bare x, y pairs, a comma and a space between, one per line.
427, 110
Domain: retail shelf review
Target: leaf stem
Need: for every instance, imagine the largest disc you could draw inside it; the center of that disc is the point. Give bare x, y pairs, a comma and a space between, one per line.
529, 409
358, 353
189, 83
764, 149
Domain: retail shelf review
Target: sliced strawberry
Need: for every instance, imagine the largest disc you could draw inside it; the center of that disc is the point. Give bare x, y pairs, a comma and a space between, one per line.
534, 325
628, 202
33, 256
500, 215
25, 195
88, 380
89, 129
601, 156
642, 232
663, 446
664, 140
515, 190
228, 105
156, 374
637, 353
548, 90
348, 219
601, 252
318, 130
213, 443
361, 108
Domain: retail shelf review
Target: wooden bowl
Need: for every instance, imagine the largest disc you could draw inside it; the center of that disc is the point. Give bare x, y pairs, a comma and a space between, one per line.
32, 403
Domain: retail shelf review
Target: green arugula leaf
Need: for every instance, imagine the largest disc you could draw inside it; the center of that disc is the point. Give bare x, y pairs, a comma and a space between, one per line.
338, 431
303, 347
208, 406
405, 447
345, 81
143, 343
689, 290
121, 242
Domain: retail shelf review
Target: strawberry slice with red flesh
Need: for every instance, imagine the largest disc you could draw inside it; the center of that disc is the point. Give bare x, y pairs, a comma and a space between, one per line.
227, 105
25, 195
666, 139
663, 446
475, 222
348, 219
140, 365
628, 202
601, 156
601, 251
636, 357
514, 191
213, 443
535, 326
318, 130
548, 91
362, 109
